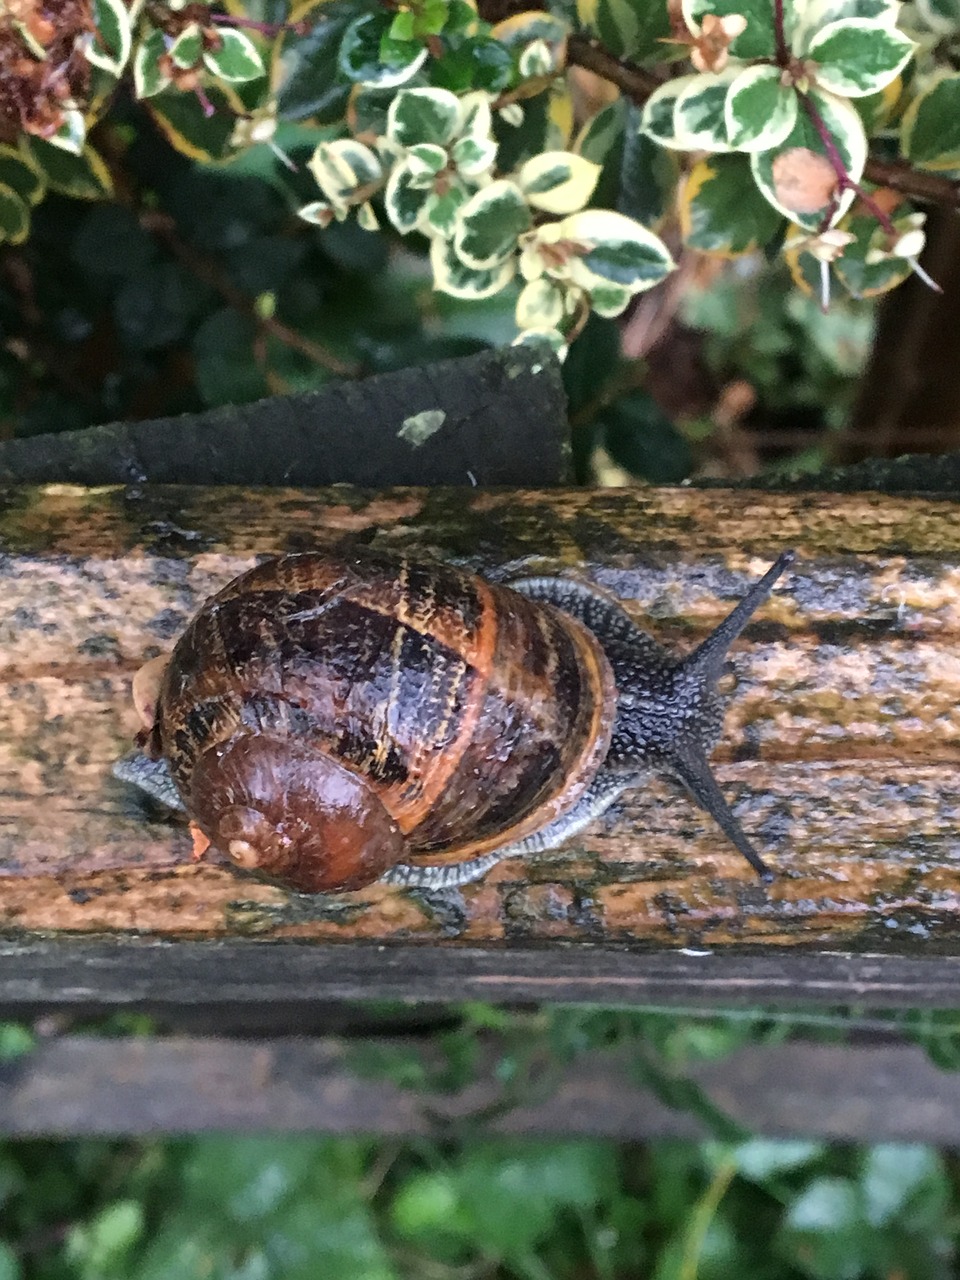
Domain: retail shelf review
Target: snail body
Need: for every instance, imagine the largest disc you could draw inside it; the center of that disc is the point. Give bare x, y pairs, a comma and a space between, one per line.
330, 719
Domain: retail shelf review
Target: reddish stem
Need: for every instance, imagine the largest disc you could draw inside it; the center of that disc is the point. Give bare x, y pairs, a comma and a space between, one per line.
208, 108
844, 180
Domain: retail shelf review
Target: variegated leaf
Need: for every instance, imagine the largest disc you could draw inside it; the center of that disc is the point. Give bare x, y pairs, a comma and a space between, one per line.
759, 111
614, 250
451, 275
423, 115
490, 223
856, 56
558, 181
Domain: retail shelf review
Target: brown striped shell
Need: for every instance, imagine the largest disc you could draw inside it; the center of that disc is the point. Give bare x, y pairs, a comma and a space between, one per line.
327, 716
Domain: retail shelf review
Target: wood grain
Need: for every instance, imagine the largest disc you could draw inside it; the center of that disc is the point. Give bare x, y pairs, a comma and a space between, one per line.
841, 752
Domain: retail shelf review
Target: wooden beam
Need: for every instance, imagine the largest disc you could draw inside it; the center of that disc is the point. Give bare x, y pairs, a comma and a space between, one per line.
91, 973
841, 750
82, 1085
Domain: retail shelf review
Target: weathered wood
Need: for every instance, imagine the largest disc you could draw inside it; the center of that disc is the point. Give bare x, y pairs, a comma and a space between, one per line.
841, 750
497, 417
92, 973
81, 1085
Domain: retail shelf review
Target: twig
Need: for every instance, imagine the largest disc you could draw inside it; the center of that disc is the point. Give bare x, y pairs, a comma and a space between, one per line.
900, 176
636, 82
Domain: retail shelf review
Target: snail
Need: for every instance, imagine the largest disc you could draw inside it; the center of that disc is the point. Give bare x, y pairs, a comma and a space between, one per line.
328, 720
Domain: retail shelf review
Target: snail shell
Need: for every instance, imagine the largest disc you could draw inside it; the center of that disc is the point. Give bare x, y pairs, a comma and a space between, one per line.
329, 719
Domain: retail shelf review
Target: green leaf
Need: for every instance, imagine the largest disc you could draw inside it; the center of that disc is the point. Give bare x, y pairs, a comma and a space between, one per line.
19, 171
112, 40
645, 180
761, 1159
425, 161
404, 25
758, 40
451, 275
816, 14
699, 114
930, 133
640, 437
343, 168
442, 210
863, 279
473, 156
237, 59
602, 132
515, 1192
187, 50
360, 57
472, 62
9, 1264
609, 300
540, 305
658, 119
15, 1041
893, 1173
856, 57
71, 134
942, 16
423, 115
558, 181
310, 84
759, 111
148, 78
617, 250
787, 174
627, 29
428, 1204
100, 1246
187, 126
825, 1227
14, 216
722, 211
84, 177
154, 306
405, 199
476, 119
490, 223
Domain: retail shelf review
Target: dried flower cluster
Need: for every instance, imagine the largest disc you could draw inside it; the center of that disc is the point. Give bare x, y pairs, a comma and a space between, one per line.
42, 68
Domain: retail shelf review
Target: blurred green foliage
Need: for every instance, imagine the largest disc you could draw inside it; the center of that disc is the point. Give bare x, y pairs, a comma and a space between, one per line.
296, 1208
457, 1206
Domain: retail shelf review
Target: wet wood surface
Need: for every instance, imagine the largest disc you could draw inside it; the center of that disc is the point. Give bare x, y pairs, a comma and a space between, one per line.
84, 1085
841, 751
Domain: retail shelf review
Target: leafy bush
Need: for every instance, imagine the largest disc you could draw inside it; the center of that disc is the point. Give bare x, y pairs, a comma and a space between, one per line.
299, 1208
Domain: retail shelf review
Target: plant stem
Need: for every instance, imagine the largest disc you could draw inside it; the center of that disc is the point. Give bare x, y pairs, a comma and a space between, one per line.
839, 165
780, 35
703, 1215
636, 82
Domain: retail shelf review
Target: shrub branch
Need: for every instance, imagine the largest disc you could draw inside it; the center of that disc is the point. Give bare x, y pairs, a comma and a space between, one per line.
638, 83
